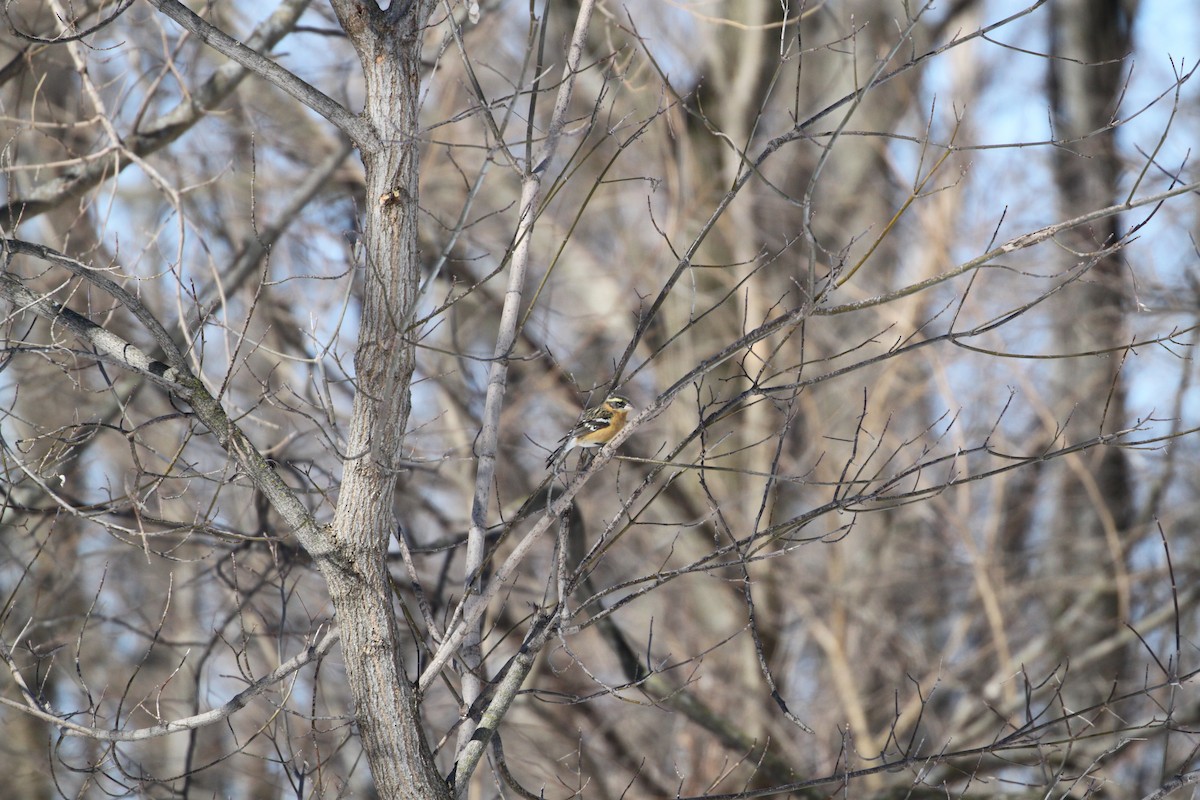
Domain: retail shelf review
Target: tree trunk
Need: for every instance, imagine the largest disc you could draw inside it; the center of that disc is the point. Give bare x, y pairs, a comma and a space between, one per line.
1093, 498
389, 45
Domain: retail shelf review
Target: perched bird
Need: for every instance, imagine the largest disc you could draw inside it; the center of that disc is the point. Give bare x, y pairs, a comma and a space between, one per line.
595, 428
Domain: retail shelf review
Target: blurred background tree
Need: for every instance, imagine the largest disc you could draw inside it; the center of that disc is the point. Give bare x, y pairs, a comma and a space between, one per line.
904, 295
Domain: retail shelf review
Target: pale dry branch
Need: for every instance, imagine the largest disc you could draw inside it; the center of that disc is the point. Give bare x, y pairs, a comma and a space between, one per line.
312, 653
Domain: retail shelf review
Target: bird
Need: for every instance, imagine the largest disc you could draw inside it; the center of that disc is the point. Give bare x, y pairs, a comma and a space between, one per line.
596, 426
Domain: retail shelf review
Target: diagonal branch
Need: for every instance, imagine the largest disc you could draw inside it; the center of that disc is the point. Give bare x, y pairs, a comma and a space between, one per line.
108, 345
531, 192
161, 132
175, 358
174, 377
352, 125
306, 656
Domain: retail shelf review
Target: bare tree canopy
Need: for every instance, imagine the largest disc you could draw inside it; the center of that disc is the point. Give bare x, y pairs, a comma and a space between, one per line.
701, 400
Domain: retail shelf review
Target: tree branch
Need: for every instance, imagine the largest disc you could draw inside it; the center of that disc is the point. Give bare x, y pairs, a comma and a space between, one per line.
175, 378
352, 125
227, 709
505, 338
162, 132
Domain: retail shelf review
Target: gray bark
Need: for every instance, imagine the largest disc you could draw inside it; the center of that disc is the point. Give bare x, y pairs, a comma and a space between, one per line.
389, 46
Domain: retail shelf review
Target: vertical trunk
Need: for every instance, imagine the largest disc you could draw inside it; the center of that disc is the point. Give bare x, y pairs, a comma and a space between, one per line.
389, 47
1092, 499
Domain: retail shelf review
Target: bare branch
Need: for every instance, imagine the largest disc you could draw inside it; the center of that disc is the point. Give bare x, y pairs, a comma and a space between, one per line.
312, 653
359, 131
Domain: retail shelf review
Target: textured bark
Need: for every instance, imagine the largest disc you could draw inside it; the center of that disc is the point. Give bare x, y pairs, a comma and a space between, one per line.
389, 46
